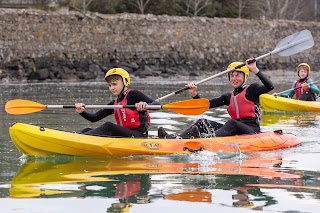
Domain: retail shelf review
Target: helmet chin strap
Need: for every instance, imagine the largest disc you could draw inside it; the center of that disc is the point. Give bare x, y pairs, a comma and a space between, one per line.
243, 85
123, 91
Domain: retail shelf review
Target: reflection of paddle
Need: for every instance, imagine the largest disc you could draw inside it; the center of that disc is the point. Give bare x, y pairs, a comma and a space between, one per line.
290, 45
186, 107
191, 195
288, 90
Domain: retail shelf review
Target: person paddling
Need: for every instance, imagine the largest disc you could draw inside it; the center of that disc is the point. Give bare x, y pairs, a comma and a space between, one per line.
130, 122
303, 88
243, 106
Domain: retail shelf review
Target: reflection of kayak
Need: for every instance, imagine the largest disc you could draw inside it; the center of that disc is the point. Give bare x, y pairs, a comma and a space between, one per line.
22, 191
295, 119
39, 141
36, 174
280, 186
272, 103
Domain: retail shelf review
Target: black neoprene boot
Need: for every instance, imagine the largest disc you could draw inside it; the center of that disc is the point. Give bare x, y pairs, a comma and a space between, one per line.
194, 133
163, 134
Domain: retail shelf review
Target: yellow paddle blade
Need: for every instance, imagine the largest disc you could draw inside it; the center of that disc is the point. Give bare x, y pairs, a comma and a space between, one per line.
189, 107
19, 106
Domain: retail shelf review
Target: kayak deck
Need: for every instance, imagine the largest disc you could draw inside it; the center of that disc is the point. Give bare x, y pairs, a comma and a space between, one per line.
39, 141
272, 103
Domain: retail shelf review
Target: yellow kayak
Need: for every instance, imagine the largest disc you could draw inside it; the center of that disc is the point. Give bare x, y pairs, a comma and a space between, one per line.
272, 103
40, 141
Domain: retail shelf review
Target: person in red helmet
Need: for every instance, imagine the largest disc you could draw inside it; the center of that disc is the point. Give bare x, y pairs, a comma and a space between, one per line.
303, 88
243, 105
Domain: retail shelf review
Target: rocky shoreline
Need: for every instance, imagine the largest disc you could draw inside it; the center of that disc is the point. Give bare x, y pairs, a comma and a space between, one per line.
60, 70
44, 46
95, 73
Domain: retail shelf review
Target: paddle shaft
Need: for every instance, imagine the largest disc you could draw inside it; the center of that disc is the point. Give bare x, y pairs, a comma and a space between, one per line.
275, 51
103, 106
186, 107
288, 90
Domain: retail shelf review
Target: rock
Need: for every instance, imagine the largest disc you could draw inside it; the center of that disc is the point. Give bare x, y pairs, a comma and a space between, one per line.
43, 74
33, 76
94, 68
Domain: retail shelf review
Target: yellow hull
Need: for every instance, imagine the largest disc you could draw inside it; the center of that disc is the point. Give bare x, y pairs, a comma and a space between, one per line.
39, 141
272, 103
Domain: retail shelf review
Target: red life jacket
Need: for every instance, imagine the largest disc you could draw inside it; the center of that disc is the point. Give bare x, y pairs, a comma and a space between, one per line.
126, 117
300, 91
125, 190
240, 107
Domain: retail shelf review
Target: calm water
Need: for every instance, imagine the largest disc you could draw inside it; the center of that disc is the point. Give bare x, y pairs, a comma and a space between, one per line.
278, 181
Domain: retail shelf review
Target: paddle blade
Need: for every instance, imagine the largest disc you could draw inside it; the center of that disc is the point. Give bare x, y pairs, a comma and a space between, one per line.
189, 107
19, 107
295, 43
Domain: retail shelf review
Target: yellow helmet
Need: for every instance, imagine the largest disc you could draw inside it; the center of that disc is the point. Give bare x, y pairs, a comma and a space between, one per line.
243, 69
243, 203
119, 71
124, 209
303, 64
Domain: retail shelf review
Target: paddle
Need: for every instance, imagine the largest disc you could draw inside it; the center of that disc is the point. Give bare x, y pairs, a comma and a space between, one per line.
186, 107
288, 90
290, 45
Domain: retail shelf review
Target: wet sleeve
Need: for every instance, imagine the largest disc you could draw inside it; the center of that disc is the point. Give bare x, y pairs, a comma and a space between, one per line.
314, 88
138, 96
223, 100
267, 84
255, 90
290, 94
94, 117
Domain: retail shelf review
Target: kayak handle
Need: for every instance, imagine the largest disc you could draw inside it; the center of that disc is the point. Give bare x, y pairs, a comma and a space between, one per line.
193, 150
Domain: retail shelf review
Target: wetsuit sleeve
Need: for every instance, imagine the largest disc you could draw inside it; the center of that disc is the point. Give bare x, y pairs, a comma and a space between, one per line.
290, 94
313, 87
94, 117
197, 96
223, 100
135, 96
217, 102
255, 90
285, 95
267, 83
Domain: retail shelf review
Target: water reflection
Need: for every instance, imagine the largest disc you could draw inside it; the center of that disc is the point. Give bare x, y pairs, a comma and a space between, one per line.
144, 180
283, 180
291, 119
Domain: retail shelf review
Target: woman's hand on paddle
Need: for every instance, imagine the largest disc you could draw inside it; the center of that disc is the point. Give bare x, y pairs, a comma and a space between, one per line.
192, 89
141, 106
252, 66
80, 107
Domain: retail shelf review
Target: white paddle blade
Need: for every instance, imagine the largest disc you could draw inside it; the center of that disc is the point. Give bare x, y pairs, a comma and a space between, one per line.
295, 43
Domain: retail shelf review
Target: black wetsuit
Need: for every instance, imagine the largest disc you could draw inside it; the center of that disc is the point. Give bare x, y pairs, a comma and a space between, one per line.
239, 126
111, 129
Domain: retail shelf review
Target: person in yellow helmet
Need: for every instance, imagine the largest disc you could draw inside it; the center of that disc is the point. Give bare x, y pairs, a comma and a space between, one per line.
130, 122
243, 105
303, 88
